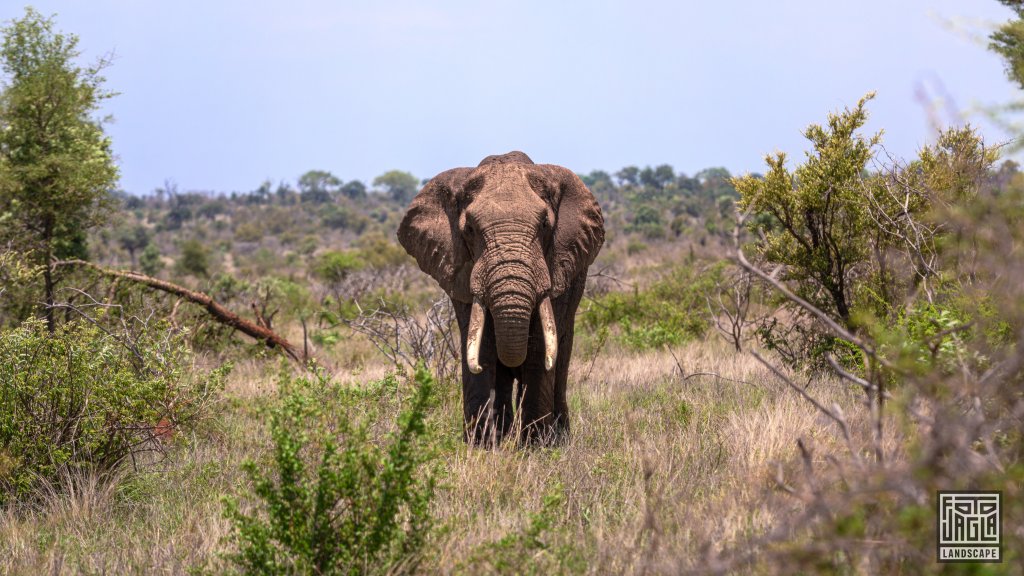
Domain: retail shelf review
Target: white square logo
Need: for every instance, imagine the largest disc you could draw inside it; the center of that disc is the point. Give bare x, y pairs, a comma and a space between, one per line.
968, 527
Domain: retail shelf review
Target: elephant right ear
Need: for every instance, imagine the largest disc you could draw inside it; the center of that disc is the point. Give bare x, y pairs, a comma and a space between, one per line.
430, 233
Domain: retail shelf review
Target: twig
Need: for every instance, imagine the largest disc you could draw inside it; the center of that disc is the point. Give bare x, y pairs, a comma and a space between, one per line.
601, 274
840, 331
846, 375
719, 376
837, 418
679, 365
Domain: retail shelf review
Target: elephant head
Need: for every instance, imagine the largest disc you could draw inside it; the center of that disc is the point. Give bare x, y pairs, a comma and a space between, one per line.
507, 236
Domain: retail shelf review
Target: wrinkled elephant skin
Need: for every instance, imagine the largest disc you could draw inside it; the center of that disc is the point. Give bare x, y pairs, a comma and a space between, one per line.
510, 242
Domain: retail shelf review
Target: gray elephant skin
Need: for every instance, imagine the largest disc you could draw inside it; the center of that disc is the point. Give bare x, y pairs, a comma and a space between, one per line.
510, 242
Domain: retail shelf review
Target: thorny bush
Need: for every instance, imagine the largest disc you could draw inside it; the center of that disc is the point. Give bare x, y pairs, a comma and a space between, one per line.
81, 401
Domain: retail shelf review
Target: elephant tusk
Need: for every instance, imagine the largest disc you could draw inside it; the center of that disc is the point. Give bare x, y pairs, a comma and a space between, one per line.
547, 322
477, 316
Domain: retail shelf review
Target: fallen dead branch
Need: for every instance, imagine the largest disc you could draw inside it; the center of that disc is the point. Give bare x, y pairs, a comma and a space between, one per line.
216, 311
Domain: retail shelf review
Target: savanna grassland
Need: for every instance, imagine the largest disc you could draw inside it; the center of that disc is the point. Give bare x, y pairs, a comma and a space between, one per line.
656, 469
773, 373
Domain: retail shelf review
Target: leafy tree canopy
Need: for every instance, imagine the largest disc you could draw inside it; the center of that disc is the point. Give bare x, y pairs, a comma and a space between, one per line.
57, 172
820, 208
317, 186
399, 186
1008, 42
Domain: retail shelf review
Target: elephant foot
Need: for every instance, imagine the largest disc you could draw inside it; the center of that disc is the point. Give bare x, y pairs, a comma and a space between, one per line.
488, 427
546, 432
489, 432
482, 434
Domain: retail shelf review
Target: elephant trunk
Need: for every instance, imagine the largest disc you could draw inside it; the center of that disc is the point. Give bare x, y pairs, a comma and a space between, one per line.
511, 298
512, 313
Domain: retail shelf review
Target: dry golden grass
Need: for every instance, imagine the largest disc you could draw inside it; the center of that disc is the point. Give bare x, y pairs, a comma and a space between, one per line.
654, 461
661, 469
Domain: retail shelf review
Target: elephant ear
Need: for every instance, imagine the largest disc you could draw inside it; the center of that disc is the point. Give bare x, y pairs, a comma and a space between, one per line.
430, 233
579, 227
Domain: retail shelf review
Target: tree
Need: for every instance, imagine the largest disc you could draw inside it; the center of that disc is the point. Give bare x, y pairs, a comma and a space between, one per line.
150, 260
399, 186
820, 211
262, 194
195, 259
601, 185
334, 266
715, 183
354, 189
628, 176
285, 195
1008, 42
134, 239
687, 183
57, 172
596, 178
318, 186
658, 177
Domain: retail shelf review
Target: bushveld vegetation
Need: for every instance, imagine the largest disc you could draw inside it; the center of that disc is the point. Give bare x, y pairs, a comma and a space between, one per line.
774, 373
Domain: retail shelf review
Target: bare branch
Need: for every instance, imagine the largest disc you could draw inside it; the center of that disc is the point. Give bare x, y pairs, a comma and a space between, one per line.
839, 419
405, 339
217, 312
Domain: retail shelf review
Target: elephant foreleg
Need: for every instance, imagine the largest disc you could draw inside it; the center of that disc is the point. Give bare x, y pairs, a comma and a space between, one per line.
565, 316
504, 414
486, 397
536, 401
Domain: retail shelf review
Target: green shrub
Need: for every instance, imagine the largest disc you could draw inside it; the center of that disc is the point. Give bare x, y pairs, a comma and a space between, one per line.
79, 400
18, 281
150, 260
942, 336
646, 215
821, 209
680, 225
262, 262
934, 333
331, 500
669, 312
652, 231
194, 259
334, 266
661, 333
251, 231
343, 217
635, 246
308, 245
379, 251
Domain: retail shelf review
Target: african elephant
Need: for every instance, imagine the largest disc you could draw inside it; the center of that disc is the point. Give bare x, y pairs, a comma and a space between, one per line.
510, 242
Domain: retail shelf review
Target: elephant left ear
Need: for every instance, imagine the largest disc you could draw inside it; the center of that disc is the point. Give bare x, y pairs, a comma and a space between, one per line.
429, 232
579, 226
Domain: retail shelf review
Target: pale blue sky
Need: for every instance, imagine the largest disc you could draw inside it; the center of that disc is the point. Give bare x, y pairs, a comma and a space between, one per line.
222, 94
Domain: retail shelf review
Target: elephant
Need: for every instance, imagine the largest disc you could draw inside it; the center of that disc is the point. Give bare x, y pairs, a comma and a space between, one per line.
510, 242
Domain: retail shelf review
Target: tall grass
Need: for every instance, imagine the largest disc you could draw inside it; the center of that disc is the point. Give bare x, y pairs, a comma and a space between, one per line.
658, 467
